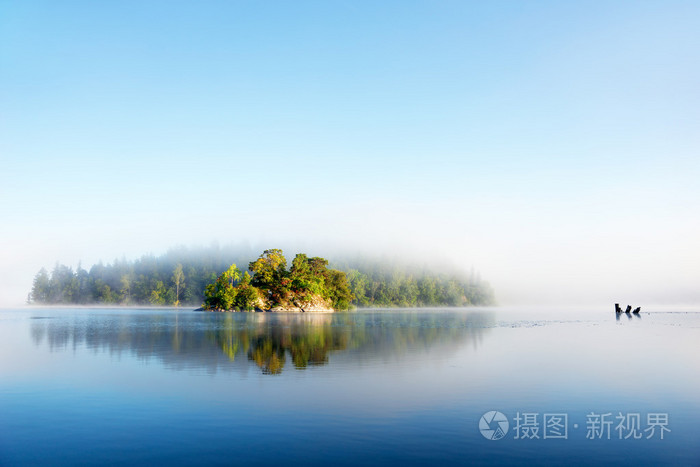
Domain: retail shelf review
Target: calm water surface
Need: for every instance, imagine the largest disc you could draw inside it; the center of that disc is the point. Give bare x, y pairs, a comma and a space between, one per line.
410, 387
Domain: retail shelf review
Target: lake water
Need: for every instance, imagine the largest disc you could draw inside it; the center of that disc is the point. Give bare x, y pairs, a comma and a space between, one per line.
408, 387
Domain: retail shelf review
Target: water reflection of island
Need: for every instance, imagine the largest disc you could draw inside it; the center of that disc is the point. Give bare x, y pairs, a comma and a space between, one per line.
226, 341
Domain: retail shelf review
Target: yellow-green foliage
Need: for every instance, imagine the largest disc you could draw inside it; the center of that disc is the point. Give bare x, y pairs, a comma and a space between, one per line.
307, 279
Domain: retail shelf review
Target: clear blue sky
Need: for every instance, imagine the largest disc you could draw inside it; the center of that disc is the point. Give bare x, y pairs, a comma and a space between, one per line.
554, 146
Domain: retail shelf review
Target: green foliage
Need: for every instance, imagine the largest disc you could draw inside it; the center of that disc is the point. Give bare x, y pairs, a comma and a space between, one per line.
338, 289
62, 286
232, 274
270, 275
307, 277
219, 295
134, 283
307, 281
158, 294
376, 284
183, 277
246, 297
41, 289
125, 291
178, 281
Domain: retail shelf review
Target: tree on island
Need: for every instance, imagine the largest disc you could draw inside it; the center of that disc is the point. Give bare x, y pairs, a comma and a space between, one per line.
179, 281
270, 275
41, 287
231, 291
308, 283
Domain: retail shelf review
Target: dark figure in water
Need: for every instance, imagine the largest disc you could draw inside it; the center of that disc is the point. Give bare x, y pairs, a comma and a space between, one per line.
629, 308
637, 310
618, 310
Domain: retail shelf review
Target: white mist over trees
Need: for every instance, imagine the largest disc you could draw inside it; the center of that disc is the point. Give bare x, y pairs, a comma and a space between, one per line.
181, 276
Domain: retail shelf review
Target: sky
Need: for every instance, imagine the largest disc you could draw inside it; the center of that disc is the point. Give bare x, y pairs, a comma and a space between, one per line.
552, 146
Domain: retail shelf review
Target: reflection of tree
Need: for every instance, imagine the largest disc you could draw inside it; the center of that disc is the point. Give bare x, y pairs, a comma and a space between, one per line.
227, 337
268, 354
308, 339
216, 340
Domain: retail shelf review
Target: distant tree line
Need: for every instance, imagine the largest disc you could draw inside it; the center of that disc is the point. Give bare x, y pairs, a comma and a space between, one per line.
181, 276
386, 284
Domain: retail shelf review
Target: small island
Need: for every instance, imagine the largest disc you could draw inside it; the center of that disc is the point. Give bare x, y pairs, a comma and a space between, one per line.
307, 286
180, 277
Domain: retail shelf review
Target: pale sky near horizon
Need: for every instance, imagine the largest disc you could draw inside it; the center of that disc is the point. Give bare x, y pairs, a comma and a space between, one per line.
553, 146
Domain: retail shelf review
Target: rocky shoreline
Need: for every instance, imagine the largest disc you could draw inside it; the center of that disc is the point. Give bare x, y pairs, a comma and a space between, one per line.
277, 309
316, 305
